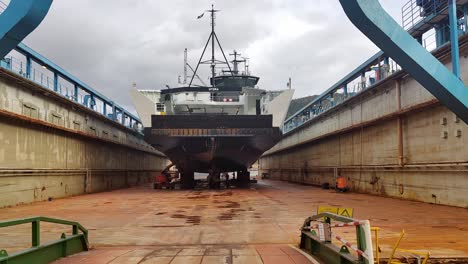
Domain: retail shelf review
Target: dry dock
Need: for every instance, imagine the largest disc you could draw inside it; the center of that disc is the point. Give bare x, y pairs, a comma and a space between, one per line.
256, 225
393, 132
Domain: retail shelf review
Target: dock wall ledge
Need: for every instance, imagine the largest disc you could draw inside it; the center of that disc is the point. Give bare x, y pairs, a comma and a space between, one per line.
52, 147
394, 139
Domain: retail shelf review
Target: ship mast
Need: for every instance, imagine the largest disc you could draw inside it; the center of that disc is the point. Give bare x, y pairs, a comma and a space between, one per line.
213, 12
185, 66
213, 61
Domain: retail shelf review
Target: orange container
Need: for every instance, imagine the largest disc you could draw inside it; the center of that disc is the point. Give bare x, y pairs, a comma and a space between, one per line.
342, 183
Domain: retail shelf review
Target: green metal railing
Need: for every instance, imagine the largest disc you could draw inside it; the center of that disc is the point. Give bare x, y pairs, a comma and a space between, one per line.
47, 252
326, 251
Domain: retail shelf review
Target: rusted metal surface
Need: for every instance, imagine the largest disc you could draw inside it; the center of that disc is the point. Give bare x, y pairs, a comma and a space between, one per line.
192, 254
269, 214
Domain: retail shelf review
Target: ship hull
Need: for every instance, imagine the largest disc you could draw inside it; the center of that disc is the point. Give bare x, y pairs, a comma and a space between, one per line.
204, 143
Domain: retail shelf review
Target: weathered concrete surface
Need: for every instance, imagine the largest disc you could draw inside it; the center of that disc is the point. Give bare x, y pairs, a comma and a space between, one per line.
25, 101
270, 214
392, 140
51, 147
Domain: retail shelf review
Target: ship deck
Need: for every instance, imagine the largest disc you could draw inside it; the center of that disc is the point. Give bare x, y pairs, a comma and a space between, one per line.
256, 225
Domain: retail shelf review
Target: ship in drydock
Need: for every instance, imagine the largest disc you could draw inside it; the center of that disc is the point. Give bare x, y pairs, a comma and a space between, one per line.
221, 127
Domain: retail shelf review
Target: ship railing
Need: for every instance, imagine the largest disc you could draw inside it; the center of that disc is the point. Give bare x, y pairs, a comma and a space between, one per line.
415, 11
228, 73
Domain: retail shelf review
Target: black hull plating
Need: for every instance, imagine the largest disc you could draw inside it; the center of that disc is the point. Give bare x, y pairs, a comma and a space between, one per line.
202, 149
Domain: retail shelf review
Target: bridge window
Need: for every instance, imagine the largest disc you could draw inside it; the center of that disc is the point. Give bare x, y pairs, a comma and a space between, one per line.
160, 107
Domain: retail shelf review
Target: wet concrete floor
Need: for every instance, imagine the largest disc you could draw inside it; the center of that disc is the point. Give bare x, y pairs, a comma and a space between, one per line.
256, 225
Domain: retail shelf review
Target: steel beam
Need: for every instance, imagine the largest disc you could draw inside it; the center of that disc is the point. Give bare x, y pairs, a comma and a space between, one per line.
76, 89
28, 67
18, 20
370, 18
56, 82
36, 233
454, 37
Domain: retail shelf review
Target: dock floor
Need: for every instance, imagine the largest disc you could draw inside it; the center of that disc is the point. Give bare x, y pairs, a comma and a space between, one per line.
256, 225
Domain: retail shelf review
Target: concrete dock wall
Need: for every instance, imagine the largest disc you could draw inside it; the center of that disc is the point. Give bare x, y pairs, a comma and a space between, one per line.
393, 139
51, 147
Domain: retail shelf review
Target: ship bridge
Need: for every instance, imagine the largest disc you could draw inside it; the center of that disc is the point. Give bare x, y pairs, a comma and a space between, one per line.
77, 176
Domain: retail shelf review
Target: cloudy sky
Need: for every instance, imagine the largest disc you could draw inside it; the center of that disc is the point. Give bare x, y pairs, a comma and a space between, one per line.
110, 44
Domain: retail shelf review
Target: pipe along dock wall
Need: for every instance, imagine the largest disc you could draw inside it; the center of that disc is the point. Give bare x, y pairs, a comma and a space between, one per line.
51, 147
394, 139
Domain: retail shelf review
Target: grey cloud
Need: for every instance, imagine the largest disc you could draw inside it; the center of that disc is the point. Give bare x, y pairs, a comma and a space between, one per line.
110, 44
